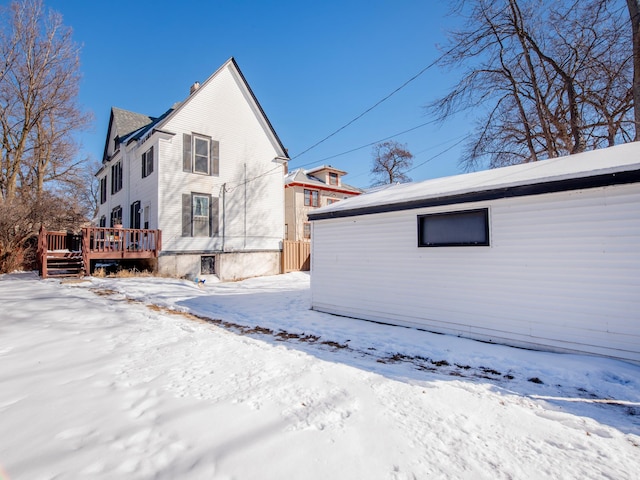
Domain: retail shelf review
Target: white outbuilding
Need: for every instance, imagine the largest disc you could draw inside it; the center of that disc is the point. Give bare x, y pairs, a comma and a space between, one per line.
543, 255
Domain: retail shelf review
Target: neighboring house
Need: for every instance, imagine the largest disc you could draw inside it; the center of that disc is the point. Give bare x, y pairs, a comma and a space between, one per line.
543, 255
207, 173
307, 190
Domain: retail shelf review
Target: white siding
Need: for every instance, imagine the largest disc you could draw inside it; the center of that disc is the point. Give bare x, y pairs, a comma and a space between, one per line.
253, 206
562, 272
144, 189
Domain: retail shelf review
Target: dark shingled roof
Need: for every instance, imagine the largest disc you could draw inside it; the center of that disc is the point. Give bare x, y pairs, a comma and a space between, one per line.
127, 122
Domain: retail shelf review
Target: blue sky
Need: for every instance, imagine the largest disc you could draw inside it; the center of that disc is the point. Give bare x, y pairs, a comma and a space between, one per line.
314, 66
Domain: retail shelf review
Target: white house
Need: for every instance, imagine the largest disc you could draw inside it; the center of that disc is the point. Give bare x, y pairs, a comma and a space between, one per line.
208, 173
543, 255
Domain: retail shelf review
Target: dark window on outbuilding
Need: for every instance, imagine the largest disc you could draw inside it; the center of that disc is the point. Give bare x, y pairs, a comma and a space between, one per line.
467, 228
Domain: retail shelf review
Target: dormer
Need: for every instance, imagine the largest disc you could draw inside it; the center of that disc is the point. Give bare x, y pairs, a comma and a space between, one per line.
327, 174
121, 124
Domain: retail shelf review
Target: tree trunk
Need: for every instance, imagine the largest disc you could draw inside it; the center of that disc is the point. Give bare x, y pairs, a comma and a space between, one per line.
634, 14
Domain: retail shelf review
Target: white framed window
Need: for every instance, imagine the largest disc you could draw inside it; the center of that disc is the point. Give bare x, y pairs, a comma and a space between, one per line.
200, 216
200, 154
306, 230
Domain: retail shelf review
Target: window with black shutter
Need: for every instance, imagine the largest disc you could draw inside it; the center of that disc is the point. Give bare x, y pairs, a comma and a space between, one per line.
199, 215
200, 154
116, 177
147, 163
103, 190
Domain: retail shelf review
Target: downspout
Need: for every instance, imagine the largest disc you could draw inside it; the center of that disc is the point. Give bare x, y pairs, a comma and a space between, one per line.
245, 206
295, 215
224, 207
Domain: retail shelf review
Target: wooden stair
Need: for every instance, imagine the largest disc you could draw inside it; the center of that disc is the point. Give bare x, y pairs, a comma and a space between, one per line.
67, 265
62, 254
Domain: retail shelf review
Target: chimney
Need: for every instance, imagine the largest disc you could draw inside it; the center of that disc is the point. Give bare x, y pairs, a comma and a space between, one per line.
194, 87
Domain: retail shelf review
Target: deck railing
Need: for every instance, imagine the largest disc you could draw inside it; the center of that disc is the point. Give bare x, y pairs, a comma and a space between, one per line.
106, 240
98, 243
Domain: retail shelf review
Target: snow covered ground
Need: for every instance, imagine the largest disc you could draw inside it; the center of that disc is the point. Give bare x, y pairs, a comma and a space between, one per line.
160, 378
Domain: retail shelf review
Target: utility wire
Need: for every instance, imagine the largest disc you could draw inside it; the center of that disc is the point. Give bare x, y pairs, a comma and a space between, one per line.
369, 144
372, 107
438, 154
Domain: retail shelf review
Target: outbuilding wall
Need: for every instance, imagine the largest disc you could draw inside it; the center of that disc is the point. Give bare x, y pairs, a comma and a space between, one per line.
562, 272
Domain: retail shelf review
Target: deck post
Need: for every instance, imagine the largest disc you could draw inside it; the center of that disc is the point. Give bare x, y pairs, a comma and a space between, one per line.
86, 240
42, 251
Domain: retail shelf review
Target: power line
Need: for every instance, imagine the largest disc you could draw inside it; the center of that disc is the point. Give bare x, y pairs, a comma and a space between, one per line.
369, 144
371, 107
438, 154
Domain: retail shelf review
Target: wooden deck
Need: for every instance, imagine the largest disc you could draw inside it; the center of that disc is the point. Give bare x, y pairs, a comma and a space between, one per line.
63, 254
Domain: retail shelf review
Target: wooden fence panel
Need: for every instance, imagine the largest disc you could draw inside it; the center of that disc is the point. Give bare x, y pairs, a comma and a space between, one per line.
296, 256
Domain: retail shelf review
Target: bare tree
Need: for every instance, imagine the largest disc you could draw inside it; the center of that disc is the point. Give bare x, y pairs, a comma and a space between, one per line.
38, 98
549, 78
40, 175
391, 161
634, 14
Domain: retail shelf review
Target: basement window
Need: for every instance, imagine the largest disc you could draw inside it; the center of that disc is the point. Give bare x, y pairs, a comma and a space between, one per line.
469, 228
208, 265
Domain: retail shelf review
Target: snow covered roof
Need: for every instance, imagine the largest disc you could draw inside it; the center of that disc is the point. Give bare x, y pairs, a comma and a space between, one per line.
325, 167
619, 164
304, 177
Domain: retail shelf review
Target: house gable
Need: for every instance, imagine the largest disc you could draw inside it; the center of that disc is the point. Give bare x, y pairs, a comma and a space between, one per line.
196, 93
122, 123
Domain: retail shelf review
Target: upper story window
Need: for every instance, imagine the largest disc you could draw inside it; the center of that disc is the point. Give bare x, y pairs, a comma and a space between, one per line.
333, 178
311, 198
332, 200
103, 190
116, 177
147, 163
200, 154
454, 229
